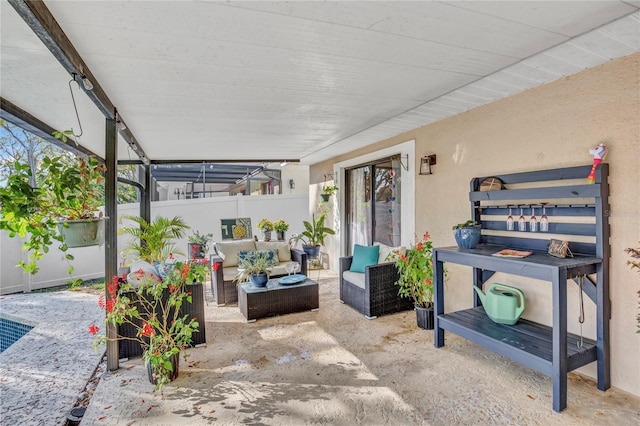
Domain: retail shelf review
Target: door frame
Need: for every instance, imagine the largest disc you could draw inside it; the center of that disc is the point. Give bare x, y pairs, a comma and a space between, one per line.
407, 196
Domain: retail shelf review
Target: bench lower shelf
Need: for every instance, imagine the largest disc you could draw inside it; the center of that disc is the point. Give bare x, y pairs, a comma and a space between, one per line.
526, 342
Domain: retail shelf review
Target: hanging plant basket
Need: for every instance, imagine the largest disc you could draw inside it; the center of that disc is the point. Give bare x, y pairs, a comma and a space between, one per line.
82, 233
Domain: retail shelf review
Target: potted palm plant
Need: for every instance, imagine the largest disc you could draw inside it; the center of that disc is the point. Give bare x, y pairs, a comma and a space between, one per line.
67, 194
153, 241
313, 235
415, 267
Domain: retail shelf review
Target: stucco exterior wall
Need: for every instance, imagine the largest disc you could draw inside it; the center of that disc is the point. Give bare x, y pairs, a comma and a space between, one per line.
546, 127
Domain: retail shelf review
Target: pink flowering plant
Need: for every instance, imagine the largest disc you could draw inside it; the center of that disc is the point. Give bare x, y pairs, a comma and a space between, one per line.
153, 310
416, 272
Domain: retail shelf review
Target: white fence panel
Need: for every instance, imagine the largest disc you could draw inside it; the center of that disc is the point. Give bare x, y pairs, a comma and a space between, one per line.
203, 215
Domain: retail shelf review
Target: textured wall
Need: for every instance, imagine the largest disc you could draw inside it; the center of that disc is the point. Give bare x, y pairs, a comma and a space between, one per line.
550, 126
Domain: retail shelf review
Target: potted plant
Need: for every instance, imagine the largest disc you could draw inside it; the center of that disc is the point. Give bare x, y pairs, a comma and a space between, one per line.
328, 191
467, 234
153, 310
634, 264
280, 226
153, 242
255, 268
199, 244
68, 194
266, 226
415, 267
313, 235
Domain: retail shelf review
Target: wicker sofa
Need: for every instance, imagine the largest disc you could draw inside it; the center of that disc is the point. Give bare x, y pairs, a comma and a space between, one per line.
223, 286
372, 293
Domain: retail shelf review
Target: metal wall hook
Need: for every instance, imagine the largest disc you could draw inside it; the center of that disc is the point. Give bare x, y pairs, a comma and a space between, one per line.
73, 99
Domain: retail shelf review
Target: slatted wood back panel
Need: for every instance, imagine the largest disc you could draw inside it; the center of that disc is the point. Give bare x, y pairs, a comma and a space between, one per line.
577, 211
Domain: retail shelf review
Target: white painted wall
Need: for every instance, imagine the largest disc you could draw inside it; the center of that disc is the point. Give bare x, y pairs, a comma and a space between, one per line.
202, 215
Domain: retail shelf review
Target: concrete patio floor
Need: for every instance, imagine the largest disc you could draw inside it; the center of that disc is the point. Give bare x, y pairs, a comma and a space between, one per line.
43, 374
330, 367
335, 367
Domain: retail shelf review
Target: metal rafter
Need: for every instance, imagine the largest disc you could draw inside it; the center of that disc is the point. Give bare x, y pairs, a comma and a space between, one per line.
44, 25
23, 119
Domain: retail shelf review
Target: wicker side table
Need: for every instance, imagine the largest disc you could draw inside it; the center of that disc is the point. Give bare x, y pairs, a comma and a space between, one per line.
277, 299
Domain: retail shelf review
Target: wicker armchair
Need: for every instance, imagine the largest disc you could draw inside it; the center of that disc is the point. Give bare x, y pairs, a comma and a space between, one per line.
226, 290
373, 293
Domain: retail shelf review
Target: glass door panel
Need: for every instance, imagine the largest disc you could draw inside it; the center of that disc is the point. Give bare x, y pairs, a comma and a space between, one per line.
373, 203
387, 203
358, 204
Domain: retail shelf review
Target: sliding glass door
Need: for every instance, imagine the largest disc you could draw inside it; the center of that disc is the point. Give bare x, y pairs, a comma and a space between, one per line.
373, 203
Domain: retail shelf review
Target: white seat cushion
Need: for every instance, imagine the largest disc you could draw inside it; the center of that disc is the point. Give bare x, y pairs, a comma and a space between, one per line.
228, 274
355, 278
228, 250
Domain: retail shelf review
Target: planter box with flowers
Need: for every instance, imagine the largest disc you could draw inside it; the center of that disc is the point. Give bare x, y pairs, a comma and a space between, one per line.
151, 243
154, 309
129, 347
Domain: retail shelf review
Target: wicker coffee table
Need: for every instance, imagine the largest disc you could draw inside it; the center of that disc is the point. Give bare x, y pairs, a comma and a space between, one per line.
277, 299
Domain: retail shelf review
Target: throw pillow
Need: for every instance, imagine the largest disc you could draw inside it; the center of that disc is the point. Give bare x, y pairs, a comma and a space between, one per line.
162, 268
284, 251
364, 256
141, 272
249, 255
386, 251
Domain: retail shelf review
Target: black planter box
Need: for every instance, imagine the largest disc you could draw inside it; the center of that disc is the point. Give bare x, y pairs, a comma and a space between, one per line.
132, 348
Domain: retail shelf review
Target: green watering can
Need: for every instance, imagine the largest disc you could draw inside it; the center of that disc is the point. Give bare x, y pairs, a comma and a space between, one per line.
501, 303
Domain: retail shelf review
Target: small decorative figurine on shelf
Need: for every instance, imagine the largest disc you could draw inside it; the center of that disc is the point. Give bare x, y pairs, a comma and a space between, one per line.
599, 152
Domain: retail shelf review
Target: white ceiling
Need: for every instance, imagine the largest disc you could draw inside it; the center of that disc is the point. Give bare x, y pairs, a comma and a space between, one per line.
300, 80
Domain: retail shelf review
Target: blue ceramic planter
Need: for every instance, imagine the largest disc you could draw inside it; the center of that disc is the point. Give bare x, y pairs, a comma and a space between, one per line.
468, 238
259, 280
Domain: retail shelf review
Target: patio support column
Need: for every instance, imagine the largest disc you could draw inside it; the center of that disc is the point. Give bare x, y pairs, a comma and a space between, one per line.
145, 194
111, 234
